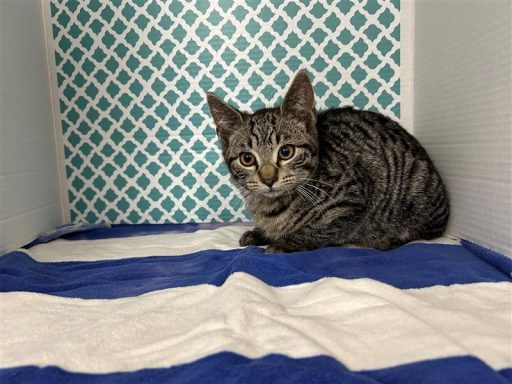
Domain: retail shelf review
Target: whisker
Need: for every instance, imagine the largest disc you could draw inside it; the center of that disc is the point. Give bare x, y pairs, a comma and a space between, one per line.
308, 195
320, 189
311, 194
238, 203
314, 180
301, 195
240, 200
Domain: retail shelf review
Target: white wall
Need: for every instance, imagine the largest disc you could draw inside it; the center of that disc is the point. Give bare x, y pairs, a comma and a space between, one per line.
462, 110
30, 200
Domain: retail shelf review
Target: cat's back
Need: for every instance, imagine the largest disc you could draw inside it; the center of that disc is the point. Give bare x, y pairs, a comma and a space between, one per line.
365, 132
393, 170
380, 147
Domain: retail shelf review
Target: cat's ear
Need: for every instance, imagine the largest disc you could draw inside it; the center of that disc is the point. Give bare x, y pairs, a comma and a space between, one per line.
227, 119
300, 98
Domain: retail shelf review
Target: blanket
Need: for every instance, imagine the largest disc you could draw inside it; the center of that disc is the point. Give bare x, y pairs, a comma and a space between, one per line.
186, 304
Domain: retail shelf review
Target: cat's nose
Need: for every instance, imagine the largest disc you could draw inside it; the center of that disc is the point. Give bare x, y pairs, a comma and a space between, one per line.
268, 174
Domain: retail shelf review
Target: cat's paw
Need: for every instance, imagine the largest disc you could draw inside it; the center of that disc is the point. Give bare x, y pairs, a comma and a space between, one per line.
276, 248
388, 244
251, 238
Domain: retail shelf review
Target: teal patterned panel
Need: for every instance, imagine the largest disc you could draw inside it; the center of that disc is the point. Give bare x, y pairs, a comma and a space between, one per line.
140, 145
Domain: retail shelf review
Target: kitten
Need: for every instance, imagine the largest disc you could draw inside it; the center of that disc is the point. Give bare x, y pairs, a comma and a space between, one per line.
339, 177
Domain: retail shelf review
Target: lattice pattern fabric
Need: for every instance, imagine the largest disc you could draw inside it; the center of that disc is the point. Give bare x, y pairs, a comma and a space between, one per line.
140, 145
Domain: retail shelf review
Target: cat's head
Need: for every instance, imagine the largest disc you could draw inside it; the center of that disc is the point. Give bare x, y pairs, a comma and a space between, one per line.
273, 150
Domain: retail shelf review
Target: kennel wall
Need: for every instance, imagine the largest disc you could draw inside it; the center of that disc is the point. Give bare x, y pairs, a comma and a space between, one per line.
104, 118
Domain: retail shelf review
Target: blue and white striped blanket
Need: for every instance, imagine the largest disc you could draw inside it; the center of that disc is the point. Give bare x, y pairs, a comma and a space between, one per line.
186, 305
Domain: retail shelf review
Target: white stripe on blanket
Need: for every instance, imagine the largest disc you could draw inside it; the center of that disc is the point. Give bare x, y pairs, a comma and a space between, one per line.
167, 244
363, 323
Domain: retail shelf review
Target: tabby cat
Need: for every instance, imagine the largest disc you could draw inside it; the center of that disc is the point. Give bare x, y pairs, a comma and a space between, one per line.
332, 178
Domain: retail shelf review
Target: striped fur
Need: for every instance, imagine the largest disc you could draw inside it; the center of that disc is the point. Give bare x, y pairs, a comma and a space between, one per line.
356, 177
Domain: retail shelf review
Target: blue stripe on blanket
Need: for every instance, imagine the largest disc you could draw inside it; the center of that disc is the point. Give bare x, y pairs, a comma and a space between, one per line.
502, 262
226, 367
507, 373
111, 231
410, 266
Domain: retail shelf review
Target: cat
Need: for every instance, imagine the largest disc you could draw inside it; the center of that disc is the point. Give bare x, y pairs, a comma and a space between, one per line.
338, 177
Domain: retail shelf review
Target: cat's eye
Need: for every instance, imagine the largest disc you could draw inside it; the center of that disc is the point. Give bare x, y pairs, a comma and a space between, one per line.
286, 152
247, 159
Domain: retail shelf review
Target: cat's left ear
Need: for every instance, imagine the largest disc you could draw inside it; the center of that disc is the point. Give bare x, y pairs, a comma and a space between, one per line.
300, 98
227, 119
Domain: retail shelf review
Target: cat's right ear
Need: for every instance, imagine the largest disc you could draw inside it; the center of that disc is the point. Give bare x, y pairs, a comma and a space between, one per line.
227, 119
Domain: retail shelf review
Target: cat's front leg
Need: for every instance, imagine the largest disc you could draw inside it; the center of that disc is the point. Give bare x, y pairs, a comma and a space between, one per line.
254, 237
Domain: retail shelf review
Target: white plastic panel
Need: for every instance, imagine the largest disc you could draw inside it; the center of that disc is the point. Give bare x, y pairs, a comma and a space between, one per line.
29, 187
462, 110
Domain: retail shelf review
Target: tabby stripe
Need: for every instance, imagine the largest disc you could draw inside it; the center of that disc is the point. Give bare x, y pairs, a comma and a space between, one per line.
439, 198
327, 149
298, 160
256, 138
276, 211
302, 219
307, 147
251, 127
345, 136
383, 136
365, 129
411, 174
268, 137
349, 184
367, 120
392, 136
437, 180
368, 137
355, 210
403, 197
393, 199
344, 204
439, 215
381, 204
405, 144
